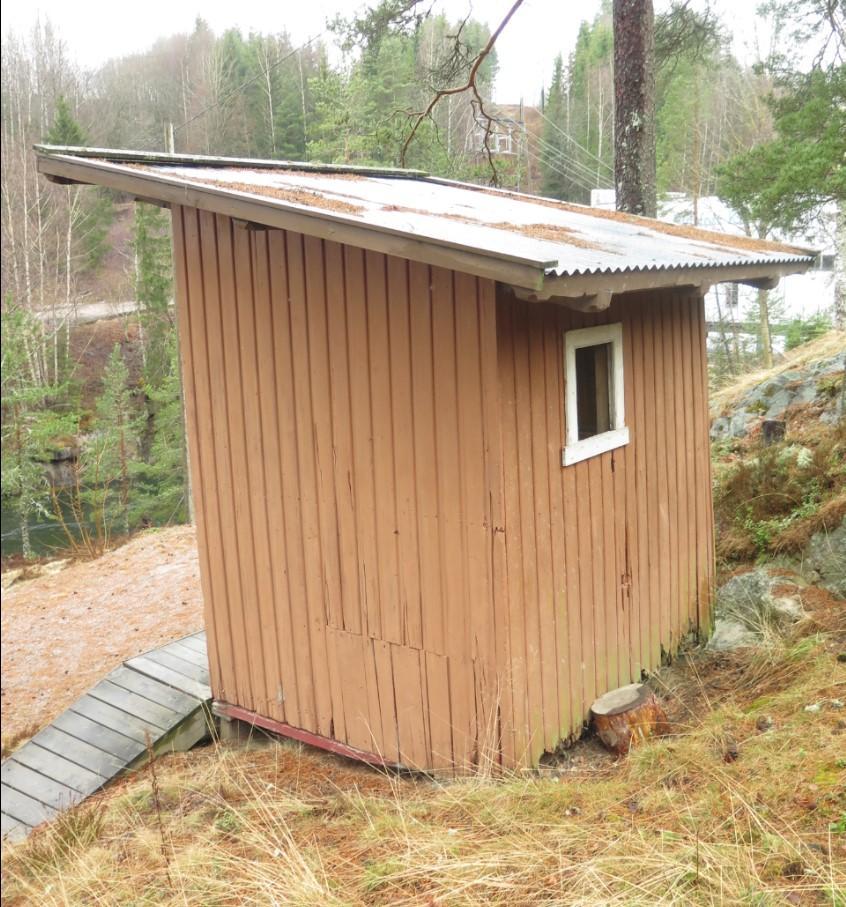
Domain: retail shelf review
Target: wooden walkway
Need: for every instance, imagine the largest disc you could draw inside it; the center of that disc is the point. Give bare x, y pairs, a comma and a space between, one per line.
162, 696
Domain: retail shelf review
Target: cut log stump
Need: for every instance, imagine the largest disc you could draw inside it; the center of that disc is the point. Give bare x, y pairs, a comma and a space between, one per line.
627, 716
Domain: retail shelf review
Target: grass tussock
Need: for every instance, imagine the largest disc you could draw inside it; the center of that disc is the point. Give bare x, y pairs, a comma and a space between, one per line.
677, 822
10, 742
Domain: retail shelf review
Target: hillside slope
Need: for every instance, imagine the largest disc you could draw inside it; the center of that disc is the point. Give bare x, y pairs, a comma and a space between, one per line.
743, 804
779, 456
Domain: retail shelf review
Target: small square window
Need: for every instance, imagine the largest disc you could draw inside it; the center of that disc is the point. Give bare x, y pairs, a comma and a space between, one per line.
594, 415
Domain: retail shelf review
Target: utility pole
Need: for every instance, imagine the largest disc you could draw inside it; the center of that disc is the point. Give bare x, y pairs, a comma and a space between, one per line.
169, 145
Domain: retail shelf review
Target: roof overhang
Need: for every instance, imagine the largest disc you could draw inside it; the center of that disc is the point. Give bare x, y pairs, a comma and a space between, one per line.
160, 188
531, 279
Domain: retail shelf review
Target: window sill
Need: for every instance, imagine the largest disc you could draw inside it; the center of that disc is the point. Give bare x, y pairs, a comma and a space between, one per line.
591, 447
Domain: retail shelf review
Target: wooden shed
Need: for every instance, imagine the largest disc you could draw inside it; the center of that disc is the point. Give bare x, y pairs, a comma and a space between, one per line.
449, 446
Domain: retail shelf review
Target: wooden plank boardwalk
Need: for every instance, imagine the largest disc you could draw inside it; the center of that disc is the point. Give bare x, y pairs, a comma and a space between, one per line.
162, 696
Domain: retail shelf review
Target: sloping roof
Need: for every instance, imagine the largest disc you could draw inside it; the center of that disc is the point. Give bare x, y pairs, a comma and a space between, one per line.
541, 244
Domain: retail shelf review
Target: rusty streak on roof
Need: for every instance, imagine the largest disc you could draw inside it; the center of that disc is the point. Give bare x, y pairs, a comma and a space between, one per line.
549, 238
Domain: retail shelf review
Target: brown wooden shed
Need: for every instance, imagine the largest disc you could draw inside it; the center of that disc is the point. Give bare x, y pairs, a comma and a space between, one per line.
449, 446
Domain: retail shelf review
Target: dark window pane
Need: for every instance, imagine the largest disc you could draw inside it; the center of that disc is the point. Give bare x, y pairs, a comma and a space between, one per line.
593, 389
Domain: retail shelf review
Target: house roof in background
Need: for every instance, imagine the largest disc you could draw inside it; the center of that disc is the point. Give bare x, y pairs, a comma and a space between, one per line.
541, 245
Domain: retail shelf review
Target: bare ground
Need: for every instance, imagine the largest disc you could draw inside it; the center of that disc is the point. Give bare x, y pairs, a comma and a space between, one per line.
61, 633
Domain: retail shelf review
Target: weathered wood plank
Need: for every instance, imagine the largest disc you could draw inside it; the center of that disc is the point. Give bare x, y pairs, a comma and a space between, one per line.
25, 809
39, 787
282, 695
179, 650
82, 752
110, 741
11, 829
177, 663
315, 575
152, 667
201, 430
116, 719
130, 702
56, 767
154, 690
197, 643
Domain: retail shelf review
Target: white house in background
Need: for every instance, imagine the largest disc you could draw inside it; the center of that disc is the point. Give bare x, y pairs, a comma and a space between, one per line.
797, 296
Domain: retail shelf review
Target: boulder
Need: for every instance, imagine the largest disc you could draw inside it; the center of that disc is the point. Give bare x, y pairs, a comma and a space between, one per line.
778, 403
750, 607
719, 428
731, 634
824, 560
740, 423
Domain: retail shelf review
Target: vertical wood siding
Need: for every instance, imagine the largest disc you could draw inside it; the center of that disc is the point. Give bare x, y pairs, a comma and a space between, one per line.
343, 437
391, 553
609, 561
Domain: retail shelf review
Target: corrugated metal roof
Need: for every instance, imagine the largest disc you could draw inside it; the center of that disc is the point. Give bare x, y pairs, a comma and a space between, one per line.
566, 239
550, 247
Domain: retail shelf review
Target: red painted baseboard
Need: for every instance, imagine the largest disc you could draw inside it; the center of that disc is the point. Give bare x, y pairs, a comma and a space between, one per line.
295, 733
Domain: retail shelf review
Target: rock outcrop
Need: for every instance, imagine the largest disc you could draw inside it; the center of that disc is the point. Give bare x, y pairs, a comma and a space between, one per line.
824, 560
772, 400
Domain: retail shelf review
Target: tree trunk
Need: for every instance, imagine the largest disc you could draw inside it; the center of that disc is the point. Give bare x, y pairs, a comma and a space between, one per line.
634, 107
764, 328
628, 716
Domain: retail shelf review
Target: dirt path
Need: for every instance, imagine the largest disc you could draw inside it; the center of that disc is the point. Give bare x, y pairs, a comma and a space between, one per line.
62, 633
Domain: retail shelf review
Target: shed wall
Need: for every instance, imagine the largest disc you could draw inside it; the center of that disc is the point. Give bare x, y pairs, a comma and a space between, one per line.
391, 553
608, 561
342, 453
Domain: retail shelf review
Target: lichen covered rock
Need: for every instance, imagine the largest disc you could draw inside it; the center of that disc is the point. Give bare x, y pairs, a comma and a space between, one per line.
824, 560
751, 607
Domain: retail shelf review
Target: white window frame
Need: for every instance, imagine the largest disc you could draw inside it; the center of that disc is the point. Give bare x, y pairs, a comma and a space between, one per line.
576, 450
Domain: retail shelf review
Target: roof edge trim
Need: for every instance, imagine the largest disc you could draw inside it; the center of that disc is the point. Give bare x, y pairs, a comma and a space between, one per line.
702, 276
128, 156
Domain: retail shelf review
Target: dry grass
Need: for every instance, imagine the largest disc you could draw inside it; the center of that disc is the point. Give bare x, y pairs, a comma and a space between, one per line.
824, 347
674, 823
17, 738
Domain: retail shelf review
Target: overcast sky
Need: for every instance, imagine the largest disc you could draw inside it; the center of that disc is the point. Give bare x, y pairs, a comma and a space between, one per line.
94, 30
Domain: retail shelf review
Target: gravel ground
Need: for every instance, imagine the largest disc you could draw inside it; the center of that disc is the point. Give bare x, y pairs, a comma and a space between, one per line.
62, 632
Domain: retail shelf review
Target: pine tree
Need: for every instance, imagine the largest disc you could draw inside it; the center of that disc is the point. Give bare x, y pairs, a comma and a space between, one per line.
160, 492
555, 183
65, 129
109, 456
32, 424
153, 289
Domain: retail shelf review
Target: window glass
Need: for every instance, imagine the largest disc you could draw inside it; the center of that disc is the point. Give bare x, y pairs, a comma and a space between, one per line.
593, 386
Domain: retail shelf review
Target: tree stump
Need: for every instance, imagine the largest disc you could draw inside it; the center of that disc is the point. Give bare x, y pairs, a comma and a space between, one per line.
772, 431
627, 716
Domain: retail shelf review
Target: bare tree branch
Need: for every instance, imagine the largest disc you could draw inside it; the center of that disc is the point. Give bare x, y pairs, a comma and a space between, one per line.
469, 85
